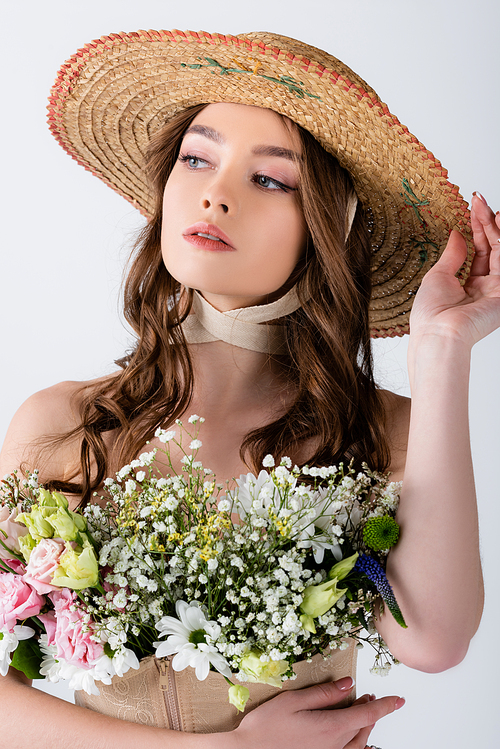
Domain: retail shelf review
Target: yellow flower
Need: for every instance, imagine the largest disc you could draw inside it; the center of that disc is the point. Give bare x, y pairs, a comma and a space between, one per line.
66, 524
26, 545
238, 696
47, 499
51, 517
263, 672
77, 569
35, 522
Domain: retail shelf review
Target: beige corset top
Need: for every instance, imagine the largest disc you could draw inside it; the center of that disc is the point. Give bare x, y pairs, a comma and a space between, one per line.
156, 695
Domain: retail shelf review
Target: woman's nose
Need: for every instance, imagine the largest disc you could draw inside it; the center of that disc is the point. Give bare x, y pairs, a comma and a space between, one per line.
210, 203
220, 195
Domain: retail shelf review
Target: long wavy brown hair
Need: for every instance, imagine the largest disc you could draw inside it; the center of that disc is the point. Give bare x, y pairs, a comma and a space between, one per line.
328, 364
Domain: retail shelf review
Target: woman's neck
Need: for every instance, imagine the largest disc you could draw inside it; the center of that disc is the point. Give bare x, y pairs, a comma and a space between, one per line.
230, 380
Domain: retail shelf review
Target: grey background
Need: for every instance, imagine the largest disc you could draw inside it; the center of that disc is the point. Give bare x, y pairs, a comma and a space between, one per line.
65, 237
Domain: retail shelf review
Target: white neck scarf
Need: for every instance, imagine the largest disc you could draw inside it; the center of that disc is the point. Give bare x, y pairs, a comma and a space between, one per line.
240, 327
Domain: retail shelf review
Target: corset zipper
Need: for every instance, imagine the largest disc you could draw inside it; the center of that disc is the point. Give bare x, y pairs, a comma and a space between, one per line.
167, 686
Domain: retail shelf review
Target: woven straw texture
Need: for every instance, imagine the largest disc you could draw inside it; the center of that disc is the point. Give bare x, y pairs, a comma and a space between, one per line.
114, 93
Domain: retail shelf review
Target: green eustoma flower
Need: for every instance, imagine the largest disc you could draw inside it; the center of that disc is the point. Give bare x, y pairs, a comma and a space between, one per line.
318, 599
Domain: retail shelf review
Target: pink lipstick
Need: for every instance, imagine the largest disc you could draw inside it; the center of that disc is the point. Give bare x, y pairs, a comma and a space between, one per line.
208, 237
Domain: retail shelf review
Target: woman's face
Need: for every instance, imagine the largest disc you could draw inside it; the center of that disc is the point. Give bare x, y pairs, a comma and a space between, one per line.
232, 226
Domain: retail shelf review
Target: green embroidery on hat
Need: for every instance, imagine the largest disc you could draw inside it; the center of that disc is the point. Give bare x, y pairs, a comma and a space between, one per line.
415, 203
295, 87
423, 255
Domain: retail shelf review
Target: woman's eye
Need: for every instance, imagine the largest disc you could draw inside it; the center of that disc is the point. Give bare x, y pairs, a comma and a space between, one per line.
192, 161
262, 180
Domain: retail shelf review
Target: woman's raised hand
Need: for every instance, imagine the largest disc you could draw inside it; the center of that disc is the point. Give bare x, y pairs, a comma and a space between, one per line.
470, 312
302, 718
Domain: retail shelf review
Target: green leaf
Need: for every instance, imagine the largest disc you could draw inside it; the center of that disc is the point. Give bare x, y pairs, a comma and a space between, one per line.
362, 619
108, 650
28, 658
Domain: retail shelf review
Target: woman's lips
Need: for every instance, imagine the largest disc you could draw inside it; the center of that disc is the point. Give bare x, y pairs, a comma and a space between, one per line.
208, 237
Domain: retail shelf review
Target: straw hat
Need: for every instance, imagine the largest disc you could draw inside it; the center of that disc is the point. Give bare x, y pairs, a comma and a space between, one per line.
114, 93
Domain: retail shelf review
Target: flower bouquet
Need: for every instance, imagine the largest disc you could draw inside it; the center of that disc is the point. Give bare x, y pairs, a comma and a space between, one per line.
245, 581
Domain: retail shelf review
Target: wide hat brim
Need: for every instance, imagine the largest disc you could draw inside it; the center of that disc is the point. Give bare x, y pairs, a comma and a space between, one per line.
116, 92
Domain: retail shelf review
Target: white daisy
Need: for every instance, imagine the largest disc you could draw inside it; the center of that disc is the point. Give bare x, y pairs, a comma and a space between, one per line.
9, 642
254, 494
191, 640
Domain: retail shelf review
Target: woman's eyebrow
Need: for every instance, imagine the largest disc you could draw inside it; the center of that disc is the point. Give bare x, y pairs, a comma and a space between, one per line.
214, 135
283, 153
207, 132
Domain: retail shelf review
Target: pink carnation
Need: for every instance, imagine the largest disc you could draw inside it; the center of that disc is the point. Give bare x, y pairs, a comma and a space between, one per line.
12, 529
18, 600
50, 623
44, 561
71, 635
15, 565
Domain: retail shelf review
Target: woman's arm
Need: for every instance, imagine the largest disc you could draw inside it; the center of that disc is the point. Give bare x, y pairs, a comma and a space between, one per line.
32, 718
435, 569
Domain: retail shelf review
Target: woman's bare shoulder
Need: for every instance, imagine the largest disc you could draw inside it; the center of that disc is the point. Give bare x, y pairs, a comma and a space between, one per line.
397, 408
47, 414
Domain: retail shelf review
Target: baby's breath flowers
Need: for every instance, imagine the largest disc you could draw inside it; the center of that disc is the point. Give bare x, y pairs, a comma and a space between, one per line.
244, 579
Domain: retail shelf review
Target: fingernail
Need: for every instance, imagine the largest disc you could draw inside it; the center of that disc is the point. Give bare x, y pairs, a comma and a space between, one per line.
346, 683
478, 195
372, 697
399, 703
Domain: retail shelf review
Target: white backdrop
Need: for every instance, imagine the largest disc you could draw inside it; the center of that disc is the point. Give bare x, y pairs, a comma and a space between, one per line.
65, 237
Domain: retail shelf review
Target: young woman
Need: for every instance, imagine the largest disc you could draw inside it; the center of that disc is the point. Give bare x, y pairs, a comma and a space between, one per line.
249, 212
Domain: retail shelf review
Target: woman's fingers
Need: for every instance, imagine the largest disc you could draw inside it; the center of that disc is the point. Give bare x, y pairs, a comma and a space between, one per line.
453, 255
359, 720
321, 696
361, 739
486, 229
363, 716
363, 699
359, 715
305, 720
349, 720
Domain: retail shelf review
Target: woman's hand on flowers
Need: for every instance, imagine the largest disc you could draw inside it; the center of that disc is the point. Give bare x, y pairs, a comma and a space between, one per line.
470, 312
303, 718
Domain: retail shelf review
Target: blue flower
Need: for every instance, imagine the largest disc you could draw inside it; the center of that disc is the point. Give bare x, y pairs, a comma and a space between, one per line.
375, 572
